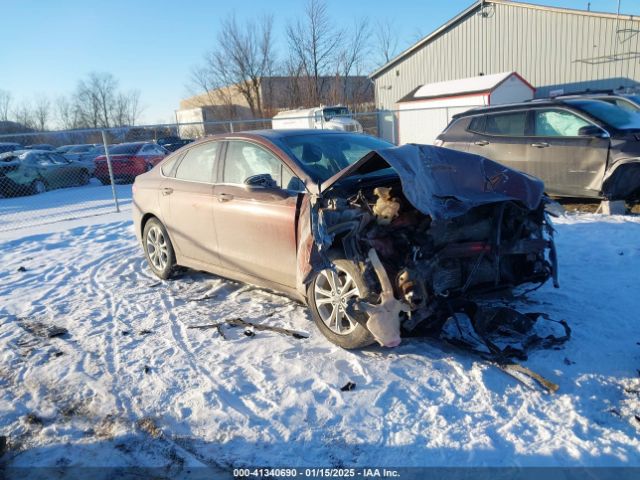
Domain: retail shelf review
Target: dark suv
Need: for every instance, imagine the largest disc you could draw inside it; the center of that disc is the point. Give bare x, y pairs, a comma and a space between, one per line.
580, 147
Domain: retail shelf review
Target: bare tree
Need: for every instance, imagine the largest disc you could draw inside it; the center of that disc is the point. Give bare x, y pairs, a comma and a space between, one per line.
5, 104
134, 109
126, 108
41, 112
313, 43
67, 114
23, 114
386, 42
352, 60
96, 98
243, 57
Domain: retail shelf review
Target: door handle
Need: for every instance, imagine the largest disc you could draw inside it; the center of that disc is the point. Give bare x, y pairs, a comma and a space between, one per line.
225, 197
540, 145
167, 191
481, 143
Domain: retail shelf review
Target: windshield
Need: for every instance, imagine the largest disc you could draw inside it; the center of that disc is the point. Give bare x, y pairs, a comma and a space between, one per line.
609, 114
322, 156
332, 112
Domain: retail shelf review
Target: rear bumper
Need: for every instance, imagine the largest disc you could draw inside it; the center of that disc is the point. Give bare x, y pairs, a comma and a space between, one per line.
9, 187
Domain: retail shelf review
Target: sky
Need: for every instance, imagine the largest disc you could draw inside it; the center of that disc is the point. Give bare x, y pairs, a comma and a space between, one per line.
153, 45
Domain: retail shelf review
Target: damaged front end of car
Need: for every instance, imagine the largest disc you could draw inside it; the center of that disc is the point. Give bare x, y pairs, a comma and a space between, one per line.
430, 228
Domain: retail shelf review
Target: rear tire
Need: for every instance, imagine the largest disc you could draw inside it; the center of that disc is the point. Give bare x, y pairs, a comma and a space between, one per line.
105, 181
327, 295
158, 248
38, 186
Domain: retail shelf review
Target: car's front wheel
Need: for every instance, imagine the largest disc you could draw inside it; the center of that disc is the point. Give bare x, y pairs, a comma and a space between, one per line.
158, 248
328, 295
84, 177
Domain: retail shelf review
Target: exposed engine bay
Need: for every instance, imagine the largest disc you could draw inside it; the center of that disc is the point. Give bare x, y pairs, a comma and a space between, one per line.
424, 261
418, 265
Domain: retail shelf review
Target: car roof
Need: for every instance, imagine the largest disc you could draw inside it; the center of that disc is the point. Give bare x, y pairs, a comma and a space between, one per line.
543, 102
270, 135
290, 132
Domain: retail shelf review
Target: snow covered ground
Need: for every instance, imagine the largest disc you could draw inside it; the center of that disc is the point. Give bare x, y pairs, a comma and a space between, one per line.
132, 384
47, 210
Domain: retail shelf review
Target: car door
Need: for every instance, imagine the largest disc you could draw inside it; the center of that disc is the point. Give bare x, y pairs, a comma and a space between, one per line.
66, 172
49, 170
570, 164
501, 137
255, 213
186, 203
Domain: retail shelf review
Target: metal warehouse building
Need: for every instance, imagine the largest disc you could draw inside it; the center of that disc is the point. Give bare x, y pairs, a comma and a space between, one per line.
553, 48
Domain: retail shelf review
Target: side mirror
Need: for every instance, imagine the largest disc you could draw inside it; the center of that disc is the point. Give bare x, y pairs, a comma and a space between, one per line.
592, 131
263, 180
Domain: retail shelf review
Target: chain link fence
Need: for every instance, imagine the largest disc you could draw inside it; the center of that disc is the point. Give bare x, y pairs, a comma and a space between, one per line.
48, 177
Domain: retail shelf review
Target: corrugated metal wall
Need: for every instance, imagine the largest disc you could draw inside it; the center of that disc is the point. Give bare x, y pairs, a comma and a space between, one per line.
550, 49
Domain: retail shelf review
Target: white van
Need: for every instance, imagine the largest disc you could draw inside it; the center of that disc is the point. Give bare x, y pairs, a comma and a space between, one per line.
324, 118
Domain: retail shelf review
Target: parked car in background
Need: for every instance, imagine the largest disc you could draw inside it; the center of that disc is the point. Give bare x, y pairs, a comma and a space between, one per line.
579, 147
623, 100
90, 155
26, 172
10, 147
324, 118
76, 153
64, 149
128, 160
344, 222
173, 143
40, 146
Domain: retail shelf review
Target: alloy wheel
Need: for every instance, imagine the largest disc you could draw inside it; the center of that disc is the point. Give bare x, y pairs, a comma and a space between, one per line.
39, 186
157, 248
332, 290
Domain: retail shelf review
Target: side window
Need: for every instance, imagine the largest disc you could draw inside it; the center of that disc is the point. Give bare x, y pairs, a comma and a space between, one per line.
557, 123
510, 124
43, 160
58, 159
245, 159
167, 167
197, 164
626, 105
477, 124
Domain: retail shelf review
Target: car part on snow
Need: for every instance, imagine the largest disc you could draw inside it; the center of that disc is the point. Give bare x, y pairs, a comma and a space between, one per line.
348, 387
384, 318
239, 322
479, 330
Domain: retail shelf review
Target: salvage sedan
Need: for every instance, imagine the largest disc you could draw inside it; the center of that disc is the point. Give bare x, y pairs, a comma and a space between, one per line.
376, 239
27, 172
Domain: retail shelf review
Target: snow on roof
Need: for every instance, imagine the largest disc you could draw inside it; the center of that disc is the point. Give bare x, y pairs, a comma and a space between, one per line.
482, 83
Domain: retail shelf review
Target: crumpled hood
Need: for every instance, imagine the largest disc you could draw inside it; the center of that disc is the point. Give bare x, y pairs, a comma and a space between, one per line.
445, 183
